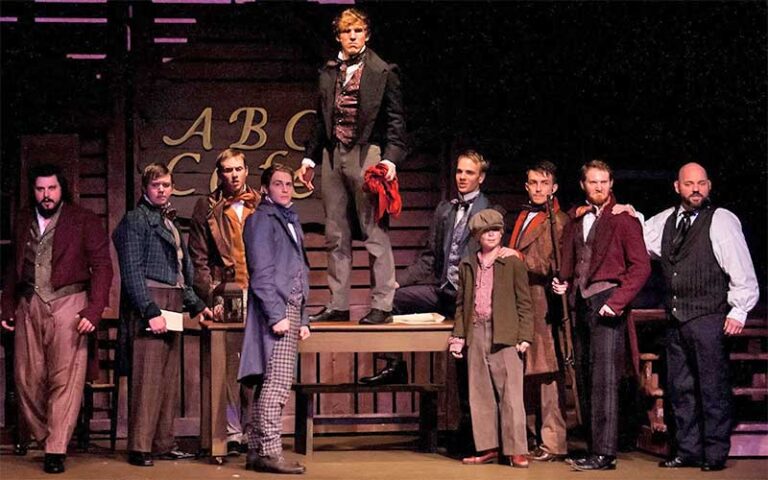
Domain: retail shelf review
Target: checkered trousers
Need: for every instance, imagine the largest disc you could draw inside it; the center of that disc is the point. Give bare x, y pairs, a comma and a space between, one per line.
270, 397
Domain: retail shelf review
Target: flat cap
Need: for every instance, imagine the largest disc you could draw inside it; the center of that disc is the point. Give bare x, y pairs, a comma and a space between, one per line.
488, 219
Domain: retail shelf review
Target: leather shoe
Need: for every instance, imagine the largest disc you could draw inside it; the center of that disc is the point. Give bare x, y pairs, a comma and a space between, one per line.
175, 454
679, 462
376, 317
20, 449
330, 315
276, 464
140, 459
54, 463
712, 466
595, 462
395, 372
233, 448
518, 461
541, 455
486, 457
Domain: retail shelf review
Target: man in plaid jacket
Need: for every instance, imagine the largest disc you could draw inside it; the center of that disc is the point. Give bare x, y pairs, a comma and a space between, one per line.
156, 273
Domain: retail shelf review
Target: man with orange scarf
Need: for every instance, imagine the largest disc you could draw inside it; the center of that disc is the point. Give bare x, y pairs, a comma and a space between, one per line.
545, 380
218, 254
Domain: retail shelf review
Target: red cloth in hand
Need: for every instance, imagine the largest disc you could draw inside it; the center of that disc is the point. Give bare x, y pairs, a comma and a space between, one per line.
387, 192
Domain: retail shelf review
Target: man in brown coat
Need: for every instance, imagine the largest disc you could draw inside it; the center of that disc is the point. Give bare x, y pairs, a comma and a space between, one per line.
54, 294
218, 255
532, 241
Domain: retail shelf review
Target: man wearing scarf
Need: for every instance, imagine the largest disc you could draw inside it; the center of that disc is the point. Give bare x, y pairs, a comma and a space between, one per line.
218, 255
360, 123
277, 319
545, 380
54, 294
156, 275
604, 266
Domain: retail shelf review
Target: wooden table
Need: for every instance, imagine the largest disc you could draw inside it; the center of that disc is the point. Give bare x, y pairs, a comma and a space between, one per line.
327, 337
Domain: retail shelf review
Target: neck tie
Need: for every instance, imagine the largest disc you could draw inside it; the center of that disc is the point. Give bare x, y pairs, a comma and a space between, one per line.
682, 230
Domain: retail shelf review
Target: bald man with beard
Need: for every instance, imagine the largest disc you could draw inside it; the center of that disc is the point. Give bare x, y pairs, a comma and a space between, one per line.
710, 288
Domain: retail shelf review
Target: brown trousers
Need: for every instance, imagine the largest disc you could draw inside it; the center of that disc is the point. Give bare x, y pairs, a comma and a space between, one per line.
154, 381
50, 365
545, 399
496, 370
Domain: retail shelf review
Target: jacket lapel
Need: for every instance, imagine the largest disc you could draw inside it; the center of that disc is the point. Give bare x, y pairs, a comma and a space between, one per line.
536, 228
372, 83
215, 222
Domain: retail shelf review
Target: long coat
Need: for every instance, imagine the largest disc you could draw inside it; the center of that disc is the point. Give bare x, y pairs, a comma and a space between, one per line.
536, 246
431, 266
80, 255
512, 314
274, 261
208, 244
380, 116
618, 254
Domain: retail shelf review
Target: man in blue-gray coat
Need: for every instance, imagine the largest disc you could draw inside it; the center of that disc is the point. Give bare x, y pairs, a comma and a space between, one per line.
278, 289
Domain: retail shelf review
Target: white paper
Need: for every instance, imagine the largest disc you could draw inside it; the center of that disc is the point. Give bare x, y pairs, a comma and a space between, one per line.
174, 321
419, 318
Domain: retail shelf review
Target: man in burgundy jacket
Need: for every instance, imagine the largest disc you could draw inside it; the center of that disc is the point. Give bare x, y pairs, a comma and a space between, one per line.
604, 266
54, 294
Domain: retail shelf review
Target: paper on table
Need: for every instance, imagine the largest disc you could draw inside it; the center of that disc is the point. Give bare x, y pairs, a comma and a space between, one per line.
418, 318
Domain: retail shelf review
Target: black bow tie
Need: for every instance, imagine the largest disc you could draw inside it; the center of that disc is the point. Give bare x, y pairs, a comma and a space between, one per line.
462, 203
532, 207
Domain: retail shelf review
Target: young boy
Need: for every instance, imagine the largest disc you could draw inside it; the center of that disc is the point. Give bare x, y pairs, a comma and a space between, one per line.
494, 318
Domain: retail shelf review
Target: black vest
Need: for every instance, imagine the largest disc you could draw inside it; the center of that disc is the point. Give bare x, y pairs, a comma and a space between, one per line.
696, 285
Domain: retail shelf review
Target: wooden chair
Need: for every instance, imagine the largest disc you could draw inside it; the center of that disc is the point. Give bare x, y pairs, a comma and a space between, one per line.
104, 346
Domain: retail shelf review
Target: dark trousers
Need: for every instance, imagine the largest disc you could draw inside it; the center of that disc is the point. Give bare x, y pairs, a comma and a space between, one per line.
599, 351
698, 387
419, 299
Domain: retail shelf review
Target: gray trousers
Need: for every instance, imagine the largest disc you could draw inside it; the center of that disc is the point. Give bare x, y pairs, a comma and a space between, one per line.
238, 396
271, 394
50, 363
342, 186
496, 372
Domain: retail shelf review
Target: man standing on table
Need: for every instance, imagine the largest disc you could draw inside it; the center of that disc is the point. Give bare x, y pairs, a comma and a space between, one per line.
360, 123
54, 295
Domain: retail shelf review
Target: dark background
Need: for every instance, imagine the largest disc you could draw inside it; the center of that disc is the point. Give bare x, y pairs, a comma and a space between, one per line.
646, 86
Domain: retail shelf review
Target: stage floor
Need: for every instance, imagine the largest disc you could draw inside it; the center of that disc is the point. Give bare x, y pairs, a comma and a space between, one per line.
356, 458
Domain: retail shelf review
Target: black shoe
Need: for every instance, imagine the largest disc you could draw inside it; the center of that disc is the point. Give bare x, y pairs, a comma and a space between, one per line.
394, 373
595, 462
679, 462
541, 455
233, 448
140, 459
712, 466
54, 463
576, 457
330, 315
376, 317
276, 464
175, 454
20, 449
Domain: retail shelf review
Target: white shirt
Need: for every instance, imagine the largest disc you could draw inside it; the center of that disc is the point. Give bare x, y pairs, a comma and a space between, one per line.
238, 208
589, 219
528, 220
731, 253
